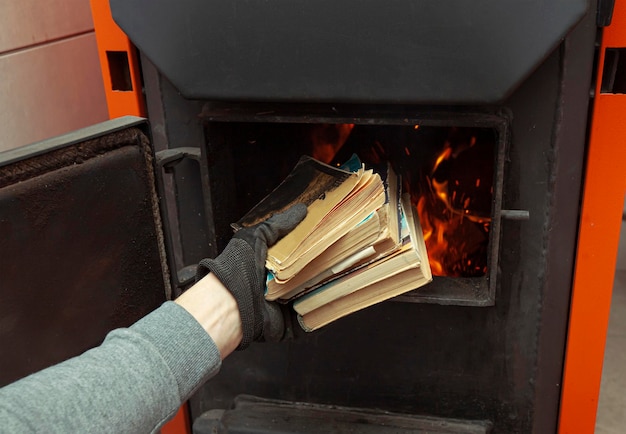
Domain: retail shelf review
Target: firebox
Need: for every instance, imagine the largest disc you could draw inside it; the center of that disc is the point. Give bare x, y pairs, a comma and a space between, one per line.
482, 109
453, 170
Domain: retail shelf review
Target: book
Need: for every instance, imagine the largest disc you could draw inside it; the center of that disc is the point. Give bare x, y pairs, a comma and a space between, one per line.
359, 235
337, 198
311, 182
319, 231
330, 262
372, 237
392, 275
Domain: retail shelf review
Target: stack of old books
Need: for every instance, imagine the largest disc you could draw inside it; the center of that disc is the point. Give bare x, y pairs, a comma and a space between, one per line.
361, 242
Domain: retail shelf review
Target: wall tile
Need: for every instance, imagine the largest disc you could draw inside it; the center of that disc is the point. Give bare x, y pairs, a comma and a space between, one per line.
25, 23
49, 90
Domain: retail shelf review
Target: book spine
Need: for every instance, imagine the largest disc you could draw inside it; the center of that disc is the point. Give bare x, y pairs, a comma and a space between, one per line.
303, 325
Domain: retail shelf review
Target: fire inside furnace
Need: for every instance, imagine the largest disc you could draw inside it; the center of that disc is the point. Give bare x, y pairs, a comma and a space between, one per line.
449, 173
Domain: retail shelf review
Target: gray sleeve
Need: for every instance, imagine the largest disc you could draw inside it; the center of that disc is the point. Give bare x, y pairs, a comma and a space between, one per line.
134, 382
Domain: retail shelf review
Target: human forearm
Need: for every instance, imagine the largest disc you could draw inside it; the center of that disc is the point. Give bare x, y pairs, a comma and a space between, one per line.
214, 307
139, 376
133, 382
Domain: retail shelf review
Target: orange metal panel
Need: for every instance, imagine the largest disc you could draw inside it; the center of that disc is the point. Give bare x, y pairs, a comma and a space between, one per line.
110, 38
180, 424
601, 217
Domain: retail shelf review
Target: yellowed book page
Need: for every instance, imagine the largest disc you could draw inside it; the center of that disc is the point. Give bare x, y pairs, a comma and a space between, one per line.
309, 250
335, 225
375, 272
383, 290
363, 235
363, 255
366, 297
316, 212
417, 234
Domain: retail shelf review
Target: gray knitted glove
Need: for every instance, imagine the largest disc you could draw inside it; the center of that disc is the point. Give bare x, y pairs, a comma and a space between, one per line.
241, 268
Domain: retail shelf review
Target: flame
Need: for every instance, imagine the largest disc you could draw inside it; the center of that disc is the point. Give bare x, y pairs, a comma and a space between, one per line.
328, 139
456, 234
452, 232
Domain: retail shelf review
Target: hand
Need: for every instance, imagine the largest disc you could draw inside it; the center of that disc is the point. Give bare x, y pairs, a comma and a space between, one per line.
241, 268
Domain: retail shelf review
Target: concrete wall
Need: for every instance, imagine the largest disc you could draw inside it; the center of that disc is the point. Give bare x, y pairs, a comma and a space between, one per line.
50, 79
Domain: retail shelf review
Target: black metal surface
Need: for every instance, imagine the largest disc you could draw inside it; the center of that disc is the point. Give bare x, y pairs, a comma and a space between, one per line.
187, 200
79, 233
166, 162
254, 415
400, 51
605, 12
560, 228
72, 138
503, 363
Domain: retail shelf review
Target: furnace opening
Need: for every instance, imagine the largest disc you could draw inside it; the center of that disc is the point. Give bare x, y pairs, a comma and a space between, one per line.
449, 172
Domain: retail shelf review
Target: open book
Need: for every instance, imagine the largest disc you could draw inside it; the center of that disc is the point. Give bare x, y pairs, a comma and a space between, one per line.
361, 242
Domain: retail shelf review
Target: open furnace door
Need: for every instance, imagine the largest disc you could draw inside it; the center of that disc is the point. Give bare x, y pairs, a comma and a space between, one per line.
80, 241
